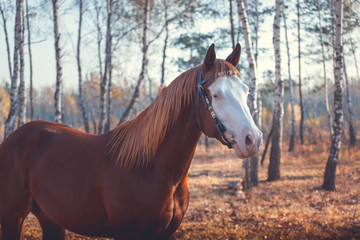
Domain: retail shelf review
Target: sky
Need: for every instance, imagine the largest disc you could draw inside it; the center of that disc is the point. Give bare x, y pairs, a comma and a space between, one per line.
43, 52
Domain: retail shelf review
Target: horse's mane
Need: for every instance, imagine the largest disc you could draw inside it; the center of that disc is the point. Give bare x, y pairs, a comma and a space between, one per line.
134, 143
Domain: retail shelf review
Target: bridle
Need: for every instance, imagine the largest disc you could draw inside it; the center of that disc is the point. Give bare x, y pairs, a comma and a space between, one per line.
200, 90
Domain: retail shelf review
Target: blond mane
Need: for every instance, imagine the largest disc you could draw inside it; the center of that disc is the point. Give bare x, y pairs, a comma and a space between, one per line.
134, 143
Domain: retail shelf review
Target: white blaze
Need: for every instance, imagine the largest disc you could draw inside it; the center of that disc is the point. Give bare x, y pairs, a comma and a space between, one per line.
229, 100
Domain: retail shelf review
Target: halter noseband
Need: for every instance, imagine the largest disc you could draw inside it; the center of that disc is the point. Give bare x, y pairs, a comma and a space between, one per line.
200, 90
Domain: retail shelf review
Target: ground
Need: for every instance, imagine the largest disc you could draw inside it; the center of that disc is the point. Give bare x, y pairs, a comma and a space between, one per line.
292, 208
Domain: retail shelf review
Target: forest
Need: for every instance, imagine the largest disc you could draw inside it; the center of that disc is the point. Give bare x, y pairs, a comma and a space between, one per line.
95, 64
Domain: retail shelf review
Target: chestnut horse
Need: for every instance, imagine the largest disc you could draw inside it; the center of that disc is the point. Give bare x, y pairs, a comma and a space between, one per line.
129, 183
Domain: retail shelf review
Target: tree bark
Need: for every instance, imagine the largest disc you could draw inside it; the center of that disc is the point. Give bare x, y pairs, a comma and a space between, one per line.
330, 171
291, 91
350, 109
275, 152
58, 88
30, 62
103, 85
253, 83
143, 65
6, 39
301, 130
81, 96
99, 37
324, 70
11, 118
21, 93
352, 49
162, 80
232, 32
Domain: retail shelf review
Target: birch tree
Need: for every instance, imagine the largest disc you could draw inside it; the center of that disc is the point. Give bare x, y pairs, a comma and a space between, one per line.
326, 97
350, 108
145, 46
21, 90
4, 19
353, 50
11, 118
330, 170
81, 97
301, 130
103, 85
232, 31
275, 152
291, 90
30, 61
253, 82
166, 23
58, 86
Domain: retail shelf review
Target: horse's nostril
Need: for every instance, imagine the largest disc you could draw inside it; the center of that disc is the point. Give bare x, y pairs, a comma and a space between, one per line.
249, 141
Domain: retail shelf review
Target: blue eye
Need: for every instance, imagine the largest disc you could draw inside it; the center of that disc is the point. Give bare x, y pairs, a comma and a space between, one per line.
215, 96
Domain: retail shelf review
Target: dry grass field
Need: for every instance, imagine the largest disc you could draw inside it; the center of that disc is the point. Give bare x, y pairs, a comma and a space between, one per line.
292, 208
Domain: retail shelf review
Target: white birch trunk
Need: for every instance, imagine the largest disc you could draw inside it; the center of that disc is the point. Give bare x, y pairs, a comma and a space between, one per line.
11, 119
22, 103
58, 86
301, 130
291, 90
30, 62
350, 109
6, 39
253, 84
275, 154
232, 32
162, 80
326, 97
251, 59
104, 83
352, 49
81, 96
330, 171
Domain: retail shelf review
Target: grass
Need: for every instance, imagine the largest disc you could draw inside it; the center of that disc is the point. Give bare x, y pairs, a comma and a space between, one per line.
292, 208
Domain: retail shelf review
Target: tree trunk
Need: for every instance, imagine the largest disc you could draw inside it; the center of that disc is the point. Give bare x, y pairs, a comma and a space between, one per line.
58, 88
258, 99
21, 93
99, 37
81, 96
11, 118
109, 93
330, 171
291, 91
106, 71
275, 152
324, 70
253, 84
30, 62
301, 130
143, 65
352, 49
350, 109
232, 32
6, 39
162, 80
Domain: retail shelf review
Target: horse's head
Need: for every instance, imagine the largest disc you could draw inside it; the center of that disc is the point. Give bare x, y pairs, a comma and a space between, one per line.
225, 99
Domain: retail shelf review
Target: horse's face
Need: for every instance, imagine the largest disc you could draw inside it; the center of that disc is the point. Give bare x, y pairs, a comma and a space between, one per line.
229, 100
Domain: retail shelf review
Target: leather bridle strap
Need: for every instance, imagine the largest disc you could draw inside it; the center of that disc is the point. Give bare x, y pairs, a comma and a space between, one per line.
219, 126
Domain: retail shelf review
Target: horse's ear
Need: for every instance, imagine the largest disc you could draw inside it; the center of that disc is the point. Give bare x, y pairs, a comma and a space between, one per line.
209, 59
234, 57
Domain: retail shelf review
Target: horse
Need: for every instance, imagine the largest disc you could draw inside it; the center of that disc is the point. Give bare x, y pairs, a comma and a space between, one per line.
131, 182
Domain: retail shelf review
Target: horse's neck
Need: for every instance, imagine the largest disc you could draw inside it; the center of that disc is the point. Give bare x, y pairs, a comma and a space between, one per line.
176, 151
